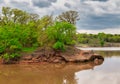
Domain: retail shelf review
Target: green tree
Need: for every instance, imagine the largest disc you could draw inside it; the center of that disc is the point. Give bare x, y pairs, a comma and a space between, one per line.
101, 37
60, 34
42, 24
69, 16
20, 30
17, 16
6, 15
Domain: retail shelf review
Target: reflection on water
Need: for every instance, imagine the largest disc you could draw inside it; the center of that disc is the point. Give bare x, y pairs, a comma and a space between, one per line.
101, 48
108, 72
43, 74
109, 53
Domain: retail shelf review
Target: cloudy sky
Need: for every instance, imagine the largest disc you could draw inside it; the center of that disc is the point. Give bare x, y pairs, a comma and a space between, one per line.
96, 15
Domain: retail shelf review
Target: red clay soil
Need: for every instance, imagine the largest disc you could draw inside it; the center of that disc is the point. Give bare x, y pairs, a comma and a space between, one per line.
52, 56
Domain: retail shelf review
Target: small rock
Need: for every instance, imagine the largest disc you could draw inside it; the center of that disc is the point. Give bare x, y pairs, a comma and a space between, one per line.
29, 57
57, 61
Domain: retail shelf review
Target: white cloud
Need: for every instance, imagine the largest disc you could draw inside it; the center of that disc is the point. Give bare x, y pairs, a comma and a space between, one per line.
108, 7
88, 9
107, 73
84, 6
98, 77
109, 30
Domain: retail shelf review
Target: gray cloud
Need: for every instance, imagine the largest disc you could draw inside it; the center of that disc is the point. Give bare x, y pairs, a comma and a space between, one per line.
1, 4
52, 0
19, 4
95, 22
67, 5
94, 14
95, 0
99, 15
22, 5
99, 0
1, 1
43, 3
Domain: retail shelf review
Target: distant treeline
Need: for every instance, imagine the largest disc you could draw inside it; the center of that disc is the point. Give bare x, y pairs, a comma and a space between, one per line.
99, 39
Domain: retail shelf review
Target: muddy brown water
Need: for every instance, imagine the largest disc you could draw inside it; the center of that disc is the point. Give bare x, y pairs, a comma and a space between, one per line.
107, 72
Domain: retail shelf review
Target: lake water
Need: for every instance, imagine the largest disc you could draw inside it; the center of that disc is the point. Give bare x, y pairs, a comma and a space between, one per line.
107, 72
102, 48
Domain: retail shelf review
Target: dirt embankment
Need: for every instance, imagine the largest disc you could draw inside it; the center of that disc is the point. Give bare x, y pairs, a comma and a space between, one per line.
51, 56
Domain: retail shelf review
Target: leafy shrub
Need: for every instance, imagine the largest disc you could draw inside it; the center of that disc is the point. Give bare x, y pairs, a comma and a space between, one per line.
7, 57
59, 46
62, 33
13, 38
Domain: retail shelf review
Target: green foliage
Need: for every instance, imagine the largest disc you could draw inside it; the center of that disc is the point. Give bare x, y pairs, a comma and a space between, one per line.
16, 16
16, 37
59, 46
8, 57
97, 39
102, 43
24, 32
63, 32
101, 37
29, 49
41, 26
69, 16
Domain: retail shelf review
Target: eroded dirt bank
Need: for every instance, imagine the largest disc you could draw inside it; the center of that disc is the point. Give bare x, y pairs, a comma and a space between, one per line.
51, 56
